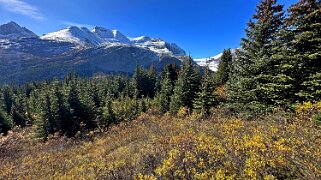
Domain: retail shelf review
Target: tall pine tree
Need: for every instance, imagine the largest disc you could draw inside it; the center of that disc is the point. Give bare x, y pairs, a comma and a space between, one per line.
223, 71
206, 98
6, 123
252, 84
186, 87
166, 91
304, 48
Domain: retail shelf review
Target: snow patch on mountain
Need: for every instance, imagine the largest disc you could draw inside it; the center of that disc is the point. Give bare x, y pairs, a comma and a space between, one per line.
140, 40
213, 61
73, 34
110, 36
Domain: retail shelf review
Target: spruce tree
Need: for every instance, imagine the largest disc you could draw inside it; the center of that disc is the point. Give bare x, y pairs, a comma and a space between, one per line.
45, 124
206, 98
252, 84
59, 109
222, 74
142, 106
6, 123
177, 98
7, 99
137, 82
186, 87
17, 118
171, 71
304, 48
72, 125
108, 116
152, 80
166, 91
87, 109
20, 107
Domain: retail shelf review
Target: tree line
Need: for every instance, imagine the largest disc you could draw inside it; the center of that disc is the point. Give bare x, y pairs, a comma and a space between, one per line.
78, 104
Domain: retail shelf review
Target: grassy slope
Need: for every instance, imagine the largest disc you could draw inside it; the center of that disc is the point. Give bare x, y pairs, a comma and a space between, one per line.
152, 147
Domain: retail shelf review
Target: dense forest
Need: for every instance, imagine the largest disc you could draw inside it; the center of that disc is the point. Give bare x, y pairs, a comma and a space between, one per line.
277, 69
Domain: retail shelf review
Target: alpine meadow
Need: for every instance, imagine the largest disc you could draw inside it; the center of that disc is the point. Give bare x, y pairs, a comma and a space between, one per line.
88, 102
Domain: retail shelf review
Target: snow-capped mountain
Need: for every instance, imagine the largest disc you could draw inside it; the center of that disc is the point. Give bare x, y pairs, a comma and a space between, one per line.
12, 30
102, 36
107, 35
213, 61
73, 34
26, 57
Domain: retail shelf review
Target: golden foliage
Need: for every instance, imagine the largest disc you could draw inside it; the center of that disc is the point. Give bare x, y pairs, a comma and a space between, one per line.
154, 147
220, 92
182, 112
308, 107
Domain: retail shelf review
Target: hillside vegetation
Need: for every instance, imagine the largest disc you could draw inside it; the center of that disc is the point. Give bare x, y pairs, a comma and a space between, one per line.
154, 147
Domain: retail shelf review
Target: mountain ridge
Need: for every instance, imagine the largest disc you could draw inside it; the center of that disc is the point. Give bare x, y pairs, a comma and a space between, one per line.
24, 56
101, 36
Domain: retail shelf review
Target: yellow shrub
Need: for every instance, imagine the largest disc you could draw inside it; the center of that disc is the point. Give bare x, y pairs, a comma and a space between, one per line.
308, 107
220, 92
182, 112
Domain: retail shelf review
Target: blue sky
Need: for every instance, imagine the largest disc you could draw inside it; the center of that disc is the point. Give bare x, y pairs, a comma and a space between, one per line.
202, 28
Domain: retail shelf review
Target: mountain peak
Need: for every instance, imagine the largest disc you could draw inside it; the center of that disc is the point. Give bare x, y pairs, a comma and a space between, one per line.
103, 32
72, 27
13, 31
12, 23
74, 34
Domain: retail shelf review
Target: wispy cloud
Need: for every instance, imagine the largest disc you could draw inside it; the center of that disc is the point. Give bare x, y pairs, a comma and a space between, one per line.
68, 23
21, 7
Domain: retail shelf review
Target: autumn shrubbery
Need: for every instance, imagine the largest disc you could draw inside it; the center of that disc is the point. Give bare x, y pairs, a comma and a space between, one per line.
309, 111
156, 147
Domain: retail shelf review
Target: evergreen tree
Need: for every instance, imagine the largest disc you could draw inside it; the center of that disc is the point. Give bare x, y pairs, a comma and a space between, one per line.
108, 116
17, 118
72, 125
59, 109
7, 99
152, 80
171, 71
94, 94
21, 106
177, 98
164, 97
87, 107
45, 124
142, 106
6, 123
252, 84
186, 87
304, 48
137, 82
206, 98
222, 74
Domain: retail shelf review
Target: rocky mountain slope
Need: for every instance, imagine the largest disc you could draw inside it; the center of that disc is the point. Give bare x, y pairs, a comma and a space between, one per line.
24, 56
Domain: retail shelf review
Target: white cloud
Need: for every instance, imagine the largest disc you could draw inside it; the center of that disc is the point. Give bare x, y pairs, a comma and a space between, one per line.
68, 23
20, 7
